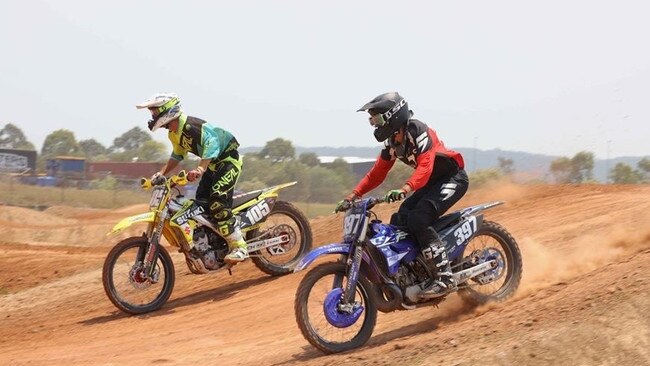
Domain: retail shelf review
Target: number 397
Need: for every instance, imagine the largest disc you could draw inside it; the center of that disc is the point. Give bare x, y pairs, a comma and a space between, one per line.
466, 230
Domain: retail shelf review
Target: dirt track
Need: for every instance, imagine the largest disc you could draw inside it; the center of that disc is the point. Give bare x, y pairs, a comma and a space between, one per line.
583, 300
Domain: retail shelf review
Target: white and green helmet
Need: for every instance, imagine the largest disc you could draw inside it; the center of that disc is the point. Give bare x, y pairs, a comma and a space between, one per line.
168, 106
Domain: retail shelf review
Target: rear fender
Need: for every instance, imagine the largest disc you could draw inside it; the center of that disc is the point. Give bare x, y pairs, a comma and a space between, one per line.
270, 192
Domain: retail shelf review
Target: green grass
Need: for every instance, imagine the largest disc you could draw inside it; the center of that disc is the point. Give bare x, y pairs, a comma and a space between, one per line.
35, 196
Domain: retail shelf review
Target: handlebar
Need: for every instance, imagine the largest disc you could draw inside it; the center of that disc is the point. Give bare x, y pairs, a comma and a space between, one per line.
372, 202
178, 179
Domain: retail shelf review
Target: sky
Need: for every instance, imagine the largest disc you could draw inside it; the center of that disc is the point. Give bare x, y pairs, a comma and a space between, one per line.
549, 77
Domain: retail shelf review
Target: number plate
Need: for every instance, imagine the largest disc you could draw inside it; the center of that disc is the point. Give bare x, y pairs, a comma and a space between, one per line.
157, 196
353, 222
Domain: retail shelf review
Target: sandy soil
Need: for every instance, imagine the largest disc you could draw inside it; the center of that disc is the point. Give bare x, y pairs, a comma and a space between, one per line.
583, 299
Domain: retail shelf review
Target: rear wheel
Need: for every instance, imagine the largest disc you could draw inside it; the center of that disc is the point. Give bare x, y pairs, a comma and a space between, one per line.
492, 242
326, 323
284, 219
126, 284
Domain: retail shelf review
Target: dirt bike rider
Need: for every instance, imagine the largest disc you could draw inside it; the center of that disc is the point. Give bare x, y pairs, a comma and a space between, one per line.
439, 181
218, 169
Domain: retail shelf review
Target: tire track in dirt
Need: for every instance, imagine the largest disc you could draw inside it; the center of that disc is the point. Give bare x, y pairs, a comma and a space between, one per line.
586, 269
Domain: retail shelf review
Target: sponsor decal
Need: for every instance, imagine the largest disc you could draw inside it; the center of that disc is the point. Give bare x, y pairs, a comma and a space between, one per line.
225, 180
448, 190
394, 110
422, 140
186, 142
336, 249
182, 219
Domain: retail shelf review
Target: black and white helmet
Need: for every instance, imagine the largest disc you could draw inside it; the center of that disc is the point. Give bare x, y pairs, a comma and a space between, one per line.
164, 107
388, 113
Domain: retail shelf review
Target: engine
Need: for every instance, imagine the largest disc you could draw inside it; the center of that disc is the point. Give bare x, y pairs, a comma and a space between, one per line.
209, 247
410, 277
404, 277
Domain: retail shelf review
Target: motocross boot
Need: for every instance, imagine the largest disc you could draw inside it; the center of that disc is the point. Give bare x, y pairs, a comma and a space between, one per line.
443, 282
238, 251
236, 244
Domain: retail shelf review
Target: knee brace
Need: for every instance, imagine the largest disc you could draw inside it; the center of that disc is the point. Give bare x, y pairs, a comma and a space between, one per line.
223, 217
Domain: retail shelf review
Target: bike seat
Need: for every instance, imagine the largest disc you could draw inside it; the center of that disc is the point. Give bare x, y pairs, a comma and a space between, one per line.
441, 223
446, 220
243, 198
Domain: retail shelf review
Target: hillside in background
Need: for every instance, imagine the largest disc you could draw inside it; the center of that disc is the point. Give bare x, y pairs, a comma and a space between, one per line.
537, 165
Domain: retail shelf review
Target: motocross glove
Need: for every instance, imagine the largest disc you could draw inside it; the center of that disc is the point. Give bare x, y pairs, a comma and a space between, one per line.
157, 179
194, 174
394, 195
343, 205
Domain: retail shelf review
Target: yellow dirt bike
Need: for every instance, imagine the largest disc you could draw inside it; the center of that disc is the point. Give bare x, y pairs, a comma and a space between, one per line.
138, 273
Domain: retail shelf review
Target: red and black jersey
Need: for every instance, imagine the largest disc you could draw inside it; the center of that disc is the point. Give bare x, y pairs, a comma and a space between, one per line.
422, 150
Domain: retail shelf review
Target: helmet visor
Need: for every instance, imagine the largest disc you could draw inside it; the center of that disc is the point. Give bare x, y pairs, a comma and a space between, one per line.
377, 120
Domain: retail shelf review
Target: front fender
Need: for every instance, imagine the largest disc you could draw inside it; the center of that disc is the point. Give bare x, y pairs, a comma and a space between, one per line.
334, 248
128, 221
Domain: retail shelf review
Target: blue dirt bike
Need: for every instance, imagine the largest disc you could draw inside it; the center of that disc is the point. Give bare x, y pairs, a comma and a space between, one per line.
381, 268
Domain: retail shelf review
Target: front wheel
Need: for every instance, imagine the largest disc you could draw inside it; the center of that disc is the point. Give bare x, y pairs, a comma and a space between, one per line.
126, 284
324, 321
493, 242
284, 219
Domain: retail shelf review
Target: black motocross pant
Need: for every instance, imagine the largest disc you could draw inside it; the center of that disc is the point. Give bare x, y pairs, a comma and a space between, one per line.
217, 186
420, 210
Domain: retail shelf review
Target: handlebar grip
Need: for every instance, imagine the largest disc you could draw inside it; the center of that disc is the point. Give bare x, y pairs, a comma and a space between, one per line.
145, 183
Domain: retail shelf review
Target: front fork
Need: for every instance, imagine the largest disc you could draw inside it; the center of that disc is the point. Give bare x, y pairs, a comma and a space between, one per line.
353, 269
151, 255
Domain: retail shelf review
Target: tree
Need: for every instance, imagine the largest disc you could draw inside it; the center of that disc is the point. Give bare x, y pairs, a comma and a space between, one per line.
309, 158
278, 150
506, 165
578, 169
287, 172
253, 169
152, 151
644, 166
61, 143
130, 141
343, 170
625, 174
12, 137
397, 176
582, 166
92, 149
326, 185
561, 169
485, 176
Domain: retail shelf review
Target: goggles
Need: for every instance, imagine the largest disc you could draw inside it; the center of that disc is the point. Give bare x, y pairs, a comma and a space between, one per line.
377, 120
156, 111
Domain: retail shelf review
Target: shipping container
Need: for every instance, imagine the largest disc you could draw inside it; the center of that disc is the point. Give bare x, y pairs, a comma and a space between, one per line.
65, 165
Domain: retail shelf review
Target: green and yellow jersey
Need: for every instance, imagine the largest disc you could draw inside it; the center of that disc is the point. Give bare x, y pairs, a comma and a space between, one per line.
200, 138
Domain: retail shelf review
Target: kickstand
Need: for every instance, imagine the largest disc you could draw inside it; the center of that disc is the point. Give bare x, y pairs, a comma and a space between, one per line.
229, 268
